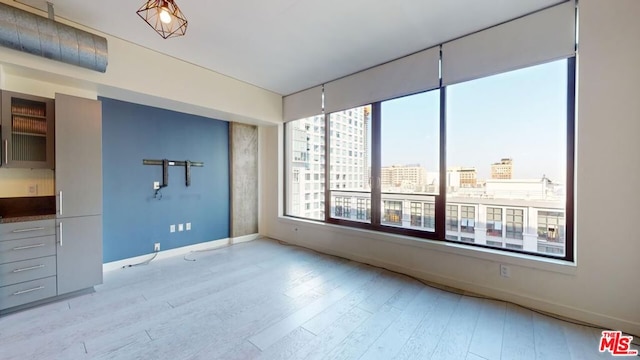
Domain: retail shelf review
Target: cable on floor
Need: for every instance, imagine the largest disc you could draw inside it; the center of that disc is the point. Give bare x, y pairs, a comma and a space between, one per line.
146, 262
463, 293
204, 250
210, 249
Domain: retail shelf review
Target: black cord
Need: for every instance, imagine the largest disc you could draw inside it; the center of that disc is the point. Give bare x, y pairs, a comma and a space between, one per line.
462, 293
146, 262
158, 192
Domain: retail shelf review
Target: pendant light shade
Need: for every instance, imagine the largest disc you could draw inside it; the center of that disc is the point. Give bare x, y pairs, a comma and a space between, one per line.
165, 17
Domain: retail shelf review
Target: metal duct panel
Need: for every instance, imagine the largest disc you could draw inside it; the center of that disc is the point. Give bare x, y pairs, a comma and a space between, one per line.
24, 31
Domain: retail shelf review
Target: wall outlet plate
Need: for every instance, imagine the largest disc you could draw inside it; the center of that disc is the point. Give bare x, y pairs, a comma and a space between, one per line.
156, 185
188, 226
172, 228
180, 227
156, 247
505, 271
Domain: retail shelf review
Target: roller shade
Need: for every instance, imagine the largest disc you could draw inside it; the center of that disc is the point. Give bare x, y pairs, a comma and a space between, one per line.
302, 104
407, 75
534, 39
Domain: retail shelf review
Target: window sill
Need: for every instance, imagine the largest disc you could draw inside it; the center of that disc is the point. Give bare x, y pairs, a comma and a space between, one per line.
460, 249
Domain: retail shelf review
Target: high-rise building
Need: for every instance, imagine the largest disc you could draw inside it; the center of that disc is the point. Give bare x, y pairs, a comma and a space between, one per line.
462, 177
468, 177
306, 175
349, 159
502, 169
348, 132
403, 176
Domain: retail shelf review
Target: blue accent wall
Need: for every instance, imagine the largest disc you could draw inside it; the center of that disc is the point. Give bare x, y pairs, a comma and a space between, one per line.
133, 219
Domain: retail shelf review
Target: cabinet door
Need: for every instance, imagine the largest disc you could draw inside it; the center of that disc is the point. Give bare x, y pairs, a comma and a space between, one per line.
79, 261
78, 156
27, 131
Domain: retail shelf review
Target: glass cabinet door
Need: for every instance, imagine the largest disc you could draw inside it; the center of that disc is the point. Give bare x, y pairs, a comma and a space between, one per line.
27, 131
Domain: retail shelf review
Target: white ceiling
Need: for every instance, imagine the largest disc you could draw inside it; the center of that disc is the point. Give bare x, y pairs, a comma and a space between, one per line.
289, 45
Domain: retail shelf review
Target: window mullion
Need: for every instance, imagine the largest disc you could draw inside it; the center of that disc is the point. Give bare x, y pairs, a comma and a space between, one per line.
441, 199
327, 167
571, 128
376, 163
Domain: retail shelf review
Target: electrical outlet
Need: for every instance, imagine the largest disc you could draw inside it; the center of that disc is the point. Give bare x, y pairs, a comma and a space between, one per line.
180, 227
188, 226
156, 247
505, 271
156, 185
33, 189
172, 228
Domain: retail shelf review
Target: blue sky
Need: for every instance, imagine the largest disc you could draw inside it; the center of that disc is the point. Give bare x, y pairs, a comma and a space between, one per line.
519, 114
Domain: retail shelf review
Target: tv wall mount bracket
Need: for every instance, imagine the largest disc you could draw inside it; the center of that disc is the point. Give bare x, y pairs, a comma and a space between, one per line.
165, 168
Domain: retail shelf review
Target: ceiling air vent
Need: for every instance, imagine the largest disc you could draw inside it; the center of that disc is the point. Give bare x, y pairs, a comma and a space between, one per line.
33, 34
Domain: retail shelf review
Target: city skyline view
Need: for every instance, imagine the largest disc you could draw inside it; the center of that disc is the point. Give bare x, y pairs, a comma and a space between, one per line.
487, 119
505, 164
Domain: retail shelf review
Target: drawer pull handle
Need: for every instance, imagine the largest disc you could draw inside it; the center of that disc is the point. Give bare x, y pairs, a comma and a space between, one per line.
28, 290
28, 247
27, 230
28, 268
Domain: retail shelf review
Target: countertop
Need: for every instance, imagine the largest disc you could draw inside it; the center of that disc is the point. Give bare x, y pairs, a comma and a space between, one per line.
26, 218
19, 209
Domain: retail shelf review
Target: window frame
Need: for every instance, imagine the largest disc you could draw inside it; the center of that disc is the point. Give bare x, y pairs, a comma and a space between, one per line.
467, 209
439, 233
495, 211
519, 235
415, 210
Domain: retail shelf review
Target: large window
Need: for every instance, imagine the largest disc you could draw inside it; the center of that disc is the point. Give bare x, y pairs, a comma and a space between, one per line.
350, 162
305, 168
485, 162
506, 152
409, 152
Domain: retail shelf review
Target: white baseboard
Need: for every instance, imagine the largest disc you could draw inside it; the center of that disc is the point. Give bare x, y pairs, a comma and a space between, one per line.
570, 312
245, 238
167, 253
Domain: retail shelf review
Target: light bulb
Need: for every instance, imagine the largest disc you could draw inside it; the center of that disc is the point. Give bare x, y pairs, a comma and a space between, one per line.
164, 15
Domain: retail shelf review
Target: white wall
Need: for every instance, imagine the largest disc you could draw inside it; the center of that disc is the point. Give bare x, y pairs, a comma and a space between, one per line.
140, 75
602, 287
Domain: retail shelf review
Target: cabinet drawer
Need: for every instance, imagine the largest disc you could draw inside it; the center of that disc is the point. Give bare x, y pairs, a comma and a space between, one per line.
24, 249
27, 292
27, 270
28, 229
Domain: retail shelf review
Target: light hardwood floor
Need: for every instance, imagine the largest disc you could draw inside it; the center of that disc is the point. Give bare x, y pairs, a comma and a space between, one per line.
264, 300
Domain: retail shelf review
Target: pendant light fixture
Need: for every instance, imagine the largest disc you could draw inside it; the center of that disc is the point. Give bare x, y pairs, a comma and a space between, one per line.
165, 17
